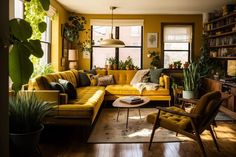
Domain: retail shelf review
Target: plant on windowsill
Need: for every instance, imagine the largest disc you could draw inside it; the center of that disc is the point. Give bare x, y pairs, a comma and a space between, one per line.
177, 64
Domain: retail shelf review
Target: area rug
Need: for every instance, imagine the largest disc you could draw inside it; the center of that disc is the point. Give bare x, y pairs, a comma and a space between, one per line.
108, 130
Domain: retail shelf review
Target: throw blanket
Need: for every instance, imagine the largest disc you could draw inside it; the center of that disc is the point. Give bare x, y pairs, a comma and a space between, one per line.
148, 86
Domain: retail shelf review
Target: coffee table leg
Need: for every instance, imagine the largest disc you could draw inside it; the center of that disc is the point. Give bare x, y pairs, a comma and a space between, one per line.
139, 113
118, 114
127, 120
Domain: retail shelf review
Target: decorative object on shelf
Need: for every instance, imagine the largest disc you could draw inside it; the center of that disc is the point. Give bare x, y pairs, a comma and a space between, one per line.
152, 40
191, 80
73, 58
73, 27
155, 59
111, 42
86, 46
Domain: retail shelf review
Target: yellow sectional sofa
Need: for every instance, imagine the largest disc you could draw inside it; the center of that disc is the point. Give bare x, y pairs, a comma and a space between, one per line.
84, 109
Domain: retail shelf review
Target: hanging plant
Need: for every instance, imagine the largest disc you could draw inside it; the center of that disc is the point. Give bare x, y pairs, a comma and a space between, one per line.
73, 27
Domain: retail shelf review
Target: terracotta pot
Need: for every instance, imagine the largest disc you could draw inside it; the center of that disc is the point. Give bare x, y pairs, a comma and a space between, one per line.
186, 64
170, 66
115, 67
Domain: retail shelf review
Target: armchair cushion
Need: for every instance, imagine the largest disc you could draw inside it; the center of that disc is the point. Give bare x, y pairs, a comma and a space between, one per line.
169, 120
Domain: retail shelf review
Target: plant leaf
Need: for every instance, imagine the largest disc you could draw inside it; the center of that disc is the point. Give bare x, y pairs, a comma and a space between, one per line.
42, 27
20, 29
45, 4
20, 66
36, 48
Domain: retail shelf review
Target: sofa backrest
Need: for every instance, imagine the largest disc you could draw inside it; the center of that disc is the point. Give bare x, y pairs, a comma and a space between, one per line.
122, 76
43, 82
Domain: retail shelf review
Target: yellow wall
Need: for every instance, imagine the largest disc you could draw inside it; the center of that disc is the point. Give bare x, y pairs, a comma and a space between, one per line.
56, 47
152, 23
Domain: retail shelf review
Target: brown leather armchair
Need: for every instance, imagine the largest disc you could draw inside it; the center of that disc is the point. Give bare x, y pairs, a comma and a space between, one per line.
189, 124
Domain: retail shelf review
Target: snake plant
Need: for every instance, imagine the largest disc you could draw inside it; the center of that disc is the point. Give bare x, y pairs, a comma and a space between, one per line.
191, 77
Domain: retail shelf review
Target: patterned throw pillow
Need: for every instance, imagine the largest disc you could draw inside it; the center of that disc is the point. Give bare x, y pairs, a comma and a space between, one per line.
69, 88
105, 80
93, 79
139, 76
57, 86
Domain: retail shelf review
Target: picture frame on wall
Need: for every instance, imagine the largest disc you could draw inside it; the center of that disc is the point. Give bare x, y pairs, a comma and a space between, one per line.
152, 40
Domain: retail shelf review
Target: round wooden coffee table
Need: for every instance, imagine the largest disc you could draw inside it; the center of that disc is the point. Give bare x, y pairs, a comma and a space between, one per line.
117, 103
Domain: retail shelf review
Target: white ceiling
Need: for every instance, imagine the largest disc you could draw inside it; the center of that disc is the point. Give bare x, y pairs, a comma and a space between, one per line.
144, 6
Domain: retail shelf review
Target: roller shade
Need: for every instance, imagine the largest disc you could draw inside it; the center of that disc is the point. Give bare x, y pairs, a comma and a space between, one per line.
177, 34
105, 22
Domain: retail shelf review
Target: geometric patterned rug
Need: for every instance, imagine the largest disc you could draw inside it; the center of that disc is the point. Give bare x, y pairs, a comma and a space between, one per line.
108, 130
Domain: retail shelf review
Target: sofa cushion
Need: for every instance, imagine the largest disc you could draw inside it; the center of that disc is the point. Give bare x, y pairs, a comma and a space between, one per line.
69, 76
93, 79
130, 90
105, 80
155, 75
139, 76
122, 76
69, 88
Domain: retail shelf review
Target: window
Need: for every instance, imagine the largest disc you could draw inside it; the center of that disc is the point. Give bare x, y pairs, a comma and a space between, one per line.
46, 43
177, 43
130, 35
18, 9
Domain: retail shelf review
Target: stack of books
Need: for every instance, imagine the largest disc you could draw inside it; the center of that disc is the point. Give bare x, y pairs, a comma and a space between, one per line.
132, 100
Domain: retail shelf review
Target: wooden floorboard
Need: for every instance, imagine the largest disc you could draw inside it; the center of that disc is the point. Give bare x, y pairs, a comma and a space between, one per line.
65, 142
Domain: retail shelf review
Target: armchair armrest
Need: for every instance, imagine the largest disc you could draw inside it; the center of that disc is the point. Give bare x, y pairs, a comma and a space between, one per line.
63, 98
190, 115
193, 101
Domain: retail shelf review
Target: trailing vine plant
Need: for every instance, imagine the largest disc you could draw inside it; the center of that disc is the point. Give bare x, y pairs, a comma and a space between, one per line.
35, 14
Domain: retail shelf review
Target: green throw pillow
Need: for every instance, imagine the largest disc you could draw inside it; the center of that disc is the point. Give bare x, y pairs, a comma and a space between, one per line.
155, 74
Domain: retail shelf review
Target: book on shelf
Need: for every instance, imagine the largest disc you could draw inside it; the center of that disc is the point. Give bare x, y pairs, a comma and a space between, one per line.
131, 100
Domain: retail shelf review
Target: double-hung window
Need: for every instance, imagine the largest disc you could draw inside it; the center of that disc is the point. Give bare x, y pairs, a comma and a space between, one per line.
177, 43
130, 34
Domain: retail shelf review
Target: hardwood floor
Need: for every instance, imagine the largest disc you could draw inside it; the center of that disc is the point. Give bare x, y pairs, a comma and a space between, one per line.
66, 142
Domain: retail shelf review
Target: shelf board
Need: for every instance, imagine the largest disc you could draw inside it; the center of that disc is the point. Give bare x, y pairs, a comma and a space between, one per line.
227, 58
221, 18
219, 46
222, 34
221, 27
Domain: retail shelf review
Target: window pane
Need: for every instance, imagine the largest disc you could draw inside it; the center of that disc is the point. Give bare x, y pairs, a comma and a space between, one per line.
176, 46
100, 55
130, 35
46, 36
44, 60
18, 9
101, 32
172, 56
134, 53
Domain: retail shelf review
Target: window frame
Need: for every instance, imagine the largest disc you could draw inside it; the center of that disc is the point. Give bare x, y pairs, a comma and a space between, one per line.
117, 49
191, 46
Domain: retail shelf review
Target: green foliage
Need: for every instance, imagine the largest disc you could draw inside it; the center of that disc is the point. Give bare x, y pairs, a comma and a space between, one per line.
178, 63
35, 14
72, 29
112, 60
191, 77
20, 66
26, 112
122, 65
42, 70
155, 58
127, 63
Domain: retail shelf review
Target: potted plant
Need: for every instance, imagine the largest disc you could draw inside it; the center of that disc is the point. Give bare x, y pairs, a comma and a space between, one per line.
129, 63
73, 27
155, 58
114, 62
177, 64
191, 80
26, 113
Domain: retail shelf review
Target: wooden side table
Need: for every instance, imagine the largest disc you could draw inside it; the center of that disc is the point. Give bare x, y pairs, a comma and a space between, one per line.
117, 103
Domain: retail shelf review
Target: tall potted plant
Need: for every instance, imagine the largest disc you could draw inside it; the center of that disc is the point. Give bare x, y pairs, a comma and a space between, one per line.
191, 80
26, 113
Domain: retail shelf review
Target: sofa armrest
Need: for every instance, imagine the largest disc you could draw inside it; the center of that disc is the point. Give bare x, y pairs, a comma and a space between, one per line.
51, 96
63, 98
166, 81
